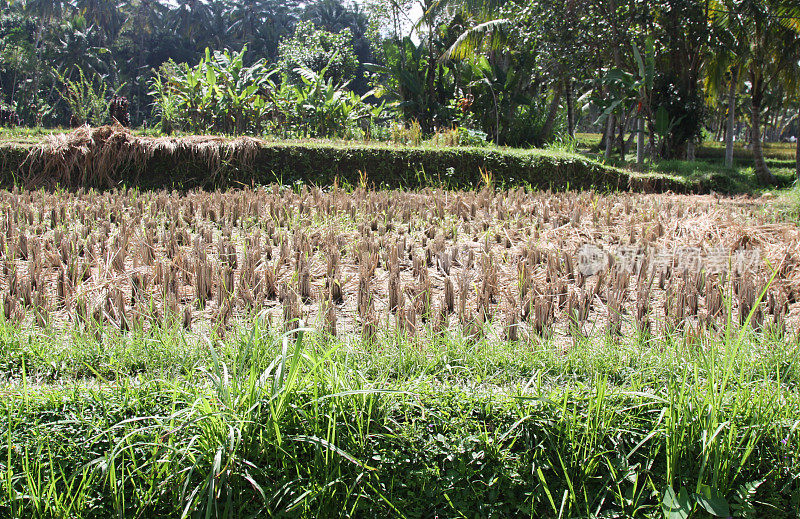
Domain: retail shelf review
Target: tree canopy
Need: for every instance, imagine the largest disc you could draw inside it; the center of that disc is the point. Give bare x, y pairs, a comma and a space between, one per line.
520, 72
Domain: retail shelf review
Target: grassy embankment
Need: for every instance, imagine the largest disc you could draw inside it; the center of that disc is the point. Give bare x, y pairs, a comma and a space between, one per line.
154, 162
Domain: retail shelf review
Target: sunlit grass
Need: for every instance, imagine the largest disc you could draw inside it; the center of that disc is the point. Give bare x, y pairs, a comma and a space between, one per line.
261, 423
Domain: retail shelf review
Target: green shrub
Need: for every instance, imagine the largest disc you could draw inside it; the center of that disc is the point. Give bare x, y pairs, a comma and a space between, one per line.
219, 94
87, 97
319, 107
469, 137
327, 53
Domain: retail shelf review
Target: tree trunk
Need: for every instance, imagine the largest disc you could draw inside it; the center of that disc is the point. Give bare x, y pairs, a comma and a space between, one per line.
720, 128
640, 143
547, 129
763, 174
628, 145
797, 151
570, 111
37, 69
602, 144
775, 120
610, 133
731, 120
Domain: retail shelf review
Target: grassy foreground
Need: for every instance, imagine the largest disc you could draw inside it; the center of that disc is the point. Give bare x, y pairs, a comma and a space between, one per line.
166, 424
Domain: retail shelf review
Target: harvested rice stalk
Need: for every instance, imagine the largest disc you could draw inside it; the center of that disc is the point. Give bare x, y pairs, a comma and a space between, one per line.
304, 282
448, 304
511, 331
328, 313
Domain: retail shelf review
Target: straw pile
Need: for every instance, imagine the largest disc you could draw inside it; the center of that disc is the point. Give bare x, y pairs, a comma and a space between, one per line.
104, 156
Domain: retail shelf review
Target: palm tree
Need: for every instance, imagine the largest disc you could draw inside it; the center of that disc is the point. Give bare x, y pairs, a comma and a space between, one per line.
331, 15
76, 49
790, 18
45, 11
262, 23
761, 26
106, 15
489, 32
143, 19
790, 81
723, 78
215, 33
191, 18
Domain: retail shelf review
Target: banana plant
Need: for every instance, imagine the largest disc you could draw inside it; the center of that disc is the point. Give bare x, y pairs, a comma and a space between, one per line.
325, 108
626, 89
219, 94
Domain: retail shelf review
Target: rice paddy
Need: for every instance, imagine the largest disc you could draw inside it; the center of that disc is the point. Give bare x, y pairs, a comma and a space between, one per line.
307, 352
526, 265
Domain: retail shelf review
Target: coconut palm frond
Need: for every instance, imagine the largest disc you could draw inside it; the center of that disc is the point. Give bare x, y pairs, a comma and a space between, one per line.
469, 41
789, 15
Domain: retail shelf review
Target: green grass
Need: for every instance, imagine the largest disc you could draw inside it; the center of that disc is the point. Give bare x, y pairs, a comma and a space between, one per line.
708, 172
740, 178
787, 205
785, 151
165, 424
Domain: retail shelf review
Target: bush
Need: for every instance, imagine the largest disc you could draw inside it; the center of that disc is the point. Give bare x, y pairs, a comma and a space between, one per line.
680, 114
221, 95
469, 137
87, 98
319, 107
330, 54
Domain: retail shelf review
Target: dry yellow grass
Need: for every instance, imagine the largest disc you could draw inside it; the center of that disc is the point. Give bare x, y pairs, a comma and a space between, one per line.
100, 156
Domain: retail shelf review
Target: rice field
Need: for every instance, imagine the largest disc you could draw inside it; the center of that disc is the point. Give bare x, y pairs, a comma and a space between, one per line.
524, 265
306, 352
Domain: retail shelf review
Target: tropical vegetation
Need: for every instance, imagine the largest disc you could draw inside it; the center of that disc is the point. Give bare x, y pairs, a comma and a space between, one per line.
654, 78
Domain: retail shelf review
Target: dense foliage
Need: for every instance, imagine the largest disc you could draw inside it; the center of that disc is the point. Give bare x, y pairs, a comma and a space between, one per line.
223, 95
519, 71
319, 50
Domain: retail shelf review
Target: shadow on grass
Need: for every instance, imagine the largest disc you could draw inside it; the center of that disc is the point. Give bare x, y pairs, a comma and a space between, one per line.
711, 175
